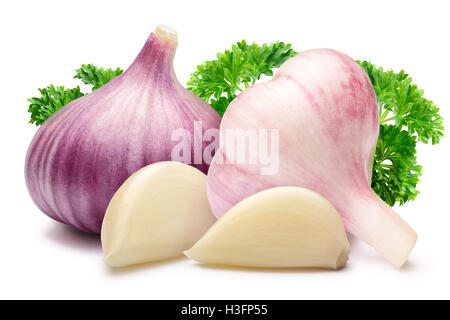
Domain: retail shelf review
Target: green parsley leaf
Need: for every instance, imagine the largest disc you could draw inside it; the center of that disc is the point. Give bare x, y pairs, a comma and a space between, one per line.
219, 81
395, 172
96, 76
52, 98
403, 104
406, 117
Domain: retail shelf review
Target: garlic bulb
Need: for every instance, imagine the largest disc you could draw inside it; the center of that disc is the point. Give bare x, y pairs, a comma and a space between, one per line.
323, 105
83, 153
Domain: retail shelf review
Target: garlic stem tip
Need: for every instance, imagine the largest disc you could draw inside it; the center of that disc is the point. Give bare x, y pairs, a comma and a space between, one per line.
166, 34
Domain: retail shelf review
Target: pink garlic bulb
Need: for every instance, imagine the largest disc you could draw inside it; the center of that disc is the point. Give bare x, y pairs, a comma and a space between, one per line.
325, 110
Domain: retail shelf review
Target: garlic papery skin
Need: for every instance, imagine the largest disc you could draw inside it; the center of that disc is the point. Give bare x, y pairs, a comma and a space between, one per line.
283, 227
84, 152
157, 213
324, 107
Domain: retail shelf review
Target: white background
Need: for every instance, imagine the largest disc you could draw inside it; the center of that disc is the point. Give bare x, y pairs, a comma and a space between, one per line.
43, 41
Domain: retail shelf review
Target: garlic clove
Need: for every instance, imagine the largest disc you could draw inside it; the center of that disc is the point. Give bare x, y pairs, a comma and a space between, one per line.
283, 227
157, 213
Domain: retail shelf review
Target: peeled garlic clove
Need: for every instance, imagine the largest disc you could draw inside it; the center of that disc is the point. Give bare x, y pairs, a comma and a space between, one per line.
157, 213
283, 227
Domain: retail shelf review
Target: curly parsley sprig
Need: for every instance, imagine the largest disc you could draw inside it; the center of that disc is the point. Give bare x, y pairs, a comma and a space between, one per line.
53, 98
402, 103
406, 117
95, 76
219, 81
395, 171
